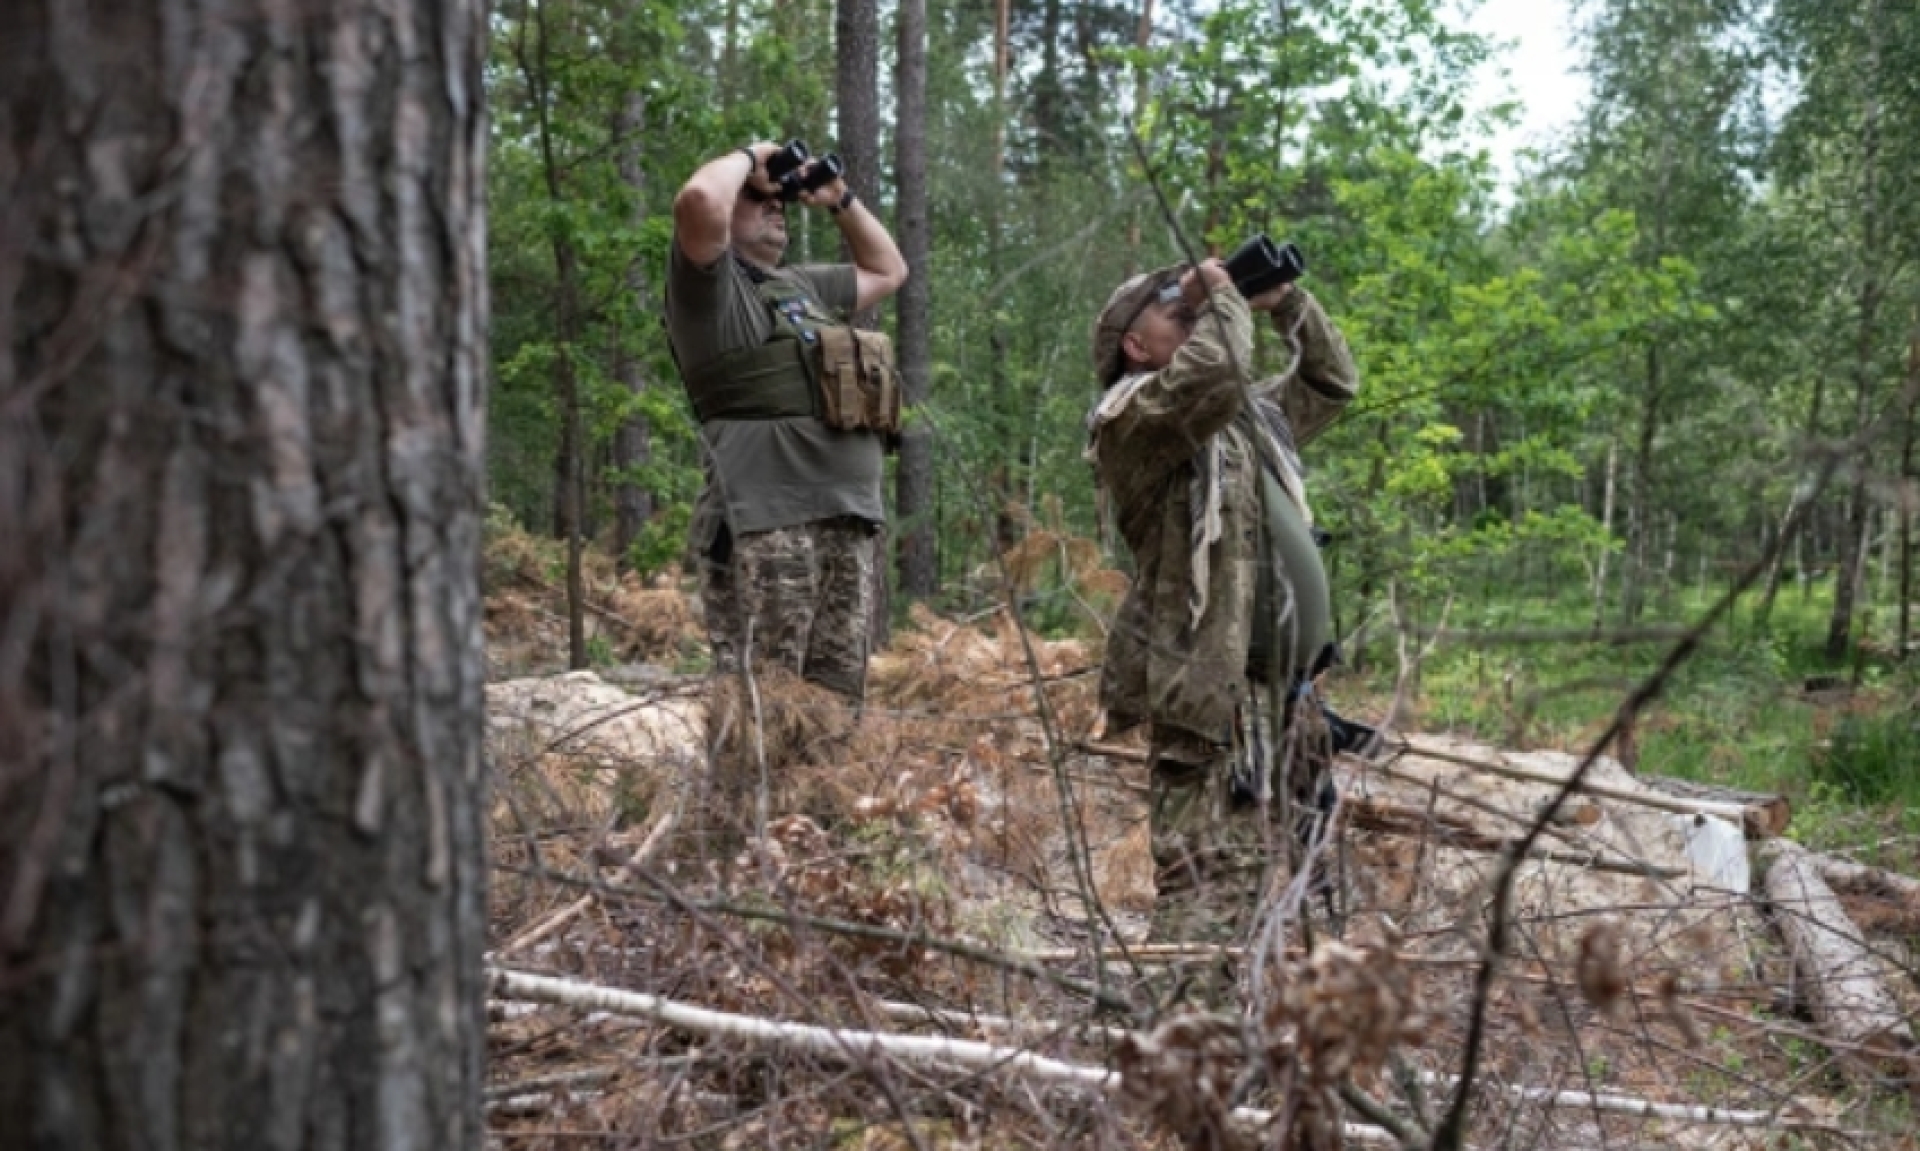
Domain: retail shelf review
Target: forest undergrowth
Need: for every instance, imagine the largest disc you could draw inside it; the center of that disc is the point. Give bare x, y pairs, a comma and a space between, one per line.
1757, 708
925, 926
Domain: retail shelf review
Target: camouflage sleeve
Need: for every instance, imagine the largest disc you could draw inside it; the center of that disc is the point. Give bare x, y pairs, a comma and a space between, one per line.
1323, 380
1190, 399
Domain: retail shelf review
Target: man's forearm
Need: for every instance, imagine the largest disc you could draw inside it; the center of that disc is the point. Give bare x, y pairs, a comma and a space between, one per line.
703, 209
1324, 377
1326, 364
876, 258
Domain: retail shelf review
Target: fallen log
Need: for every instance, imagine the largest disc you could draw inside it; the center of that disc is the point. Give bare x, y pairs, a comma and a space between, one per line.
1858, 879
1842, 976
1803, 1116
1455, 831
853, 1045
1566, 830
1761, 820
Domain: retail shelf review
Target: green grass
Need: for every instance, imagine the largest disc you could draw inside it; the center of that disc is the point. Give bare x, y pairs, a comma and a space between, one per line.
1735, 714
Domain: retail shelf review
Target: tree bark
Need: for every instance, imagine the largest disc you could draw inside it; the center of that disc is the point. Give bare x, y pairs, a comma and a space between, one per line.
856, 36
1867, 313
569, 470
1606, 530
1910, 487
856, 32
242, 868
633, 442
1633, 590
913, 497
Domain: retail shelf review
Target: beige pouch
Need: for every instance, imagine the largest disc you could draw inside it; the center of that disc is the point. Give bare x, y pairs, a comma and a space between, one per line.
880, 382
843, 401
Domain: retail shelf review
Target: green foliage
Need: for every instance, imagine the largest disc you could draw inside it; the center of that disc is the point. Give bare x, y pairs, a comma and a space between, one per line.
1870, 758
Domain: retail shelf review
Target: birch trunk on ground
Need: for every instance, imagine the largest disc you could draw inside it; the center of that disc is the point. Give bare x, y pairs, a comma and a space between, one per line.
242, 869
1841, 977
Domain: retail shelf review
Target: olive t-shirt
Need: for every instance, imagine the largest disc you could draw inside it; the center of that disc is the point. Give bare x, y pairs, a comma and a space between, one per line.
1292, 608
766, 474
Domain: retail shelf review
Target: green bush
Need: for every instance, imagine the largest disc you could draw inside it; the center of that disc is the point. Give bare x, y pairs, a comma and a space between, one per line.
1872, 758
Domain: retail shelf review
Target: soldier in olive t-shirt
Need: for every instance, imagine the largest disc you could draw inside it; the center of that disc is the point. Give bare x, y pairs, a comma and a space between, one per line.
784, 528
767, 473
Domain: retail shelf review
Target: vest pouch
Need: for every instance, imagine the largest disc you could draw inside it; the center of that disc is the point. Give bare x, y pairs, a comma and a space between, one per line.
842, 399
880, 382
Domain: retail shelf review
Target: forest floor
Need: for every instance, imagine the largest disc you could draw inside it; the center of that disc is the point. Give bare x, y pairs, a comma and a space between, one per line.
963, 869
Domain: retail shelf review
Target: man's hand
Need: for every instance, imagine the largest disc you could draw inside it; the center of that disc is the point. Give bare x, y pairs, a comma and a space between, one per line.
1270, 299
826, 195
757, 179
1198, 283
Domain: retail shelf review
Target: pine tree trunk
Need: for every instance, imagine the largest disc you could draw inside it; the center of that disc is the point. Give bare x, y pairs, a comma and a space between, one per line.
633, 442
1606, 530
999, 481
856, 33
1867, 306
242, 869
1910, 483
569, 468
1635, 571
913, 502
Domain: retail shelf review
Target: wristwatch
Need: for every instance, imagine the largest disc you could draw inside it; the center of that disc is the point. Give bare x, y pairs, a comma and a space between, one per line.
846, 201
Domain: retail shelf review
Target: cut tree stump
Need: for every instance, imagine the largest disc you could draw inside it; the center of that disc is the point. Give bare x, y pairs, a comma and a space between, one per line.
1771, 812
1842, 976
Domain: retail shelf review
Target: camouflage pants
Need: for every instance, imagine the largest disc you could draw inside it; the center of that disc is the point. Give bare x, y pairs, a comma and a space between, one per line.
799, 598
1219, 847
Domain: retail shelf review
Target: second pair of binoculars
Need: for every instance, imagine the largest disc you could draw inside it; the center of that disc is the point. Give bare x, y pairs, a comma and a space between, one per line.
1257, 266
794, 170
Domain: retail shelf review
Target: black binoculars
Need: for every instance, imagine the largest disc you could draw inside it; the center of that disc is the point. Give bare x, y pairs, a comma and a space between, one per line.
1261, 265
794, 170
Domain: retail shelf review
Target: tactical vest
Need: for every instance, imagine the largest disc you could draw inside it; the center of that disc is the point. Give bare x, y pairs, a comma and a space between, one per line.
812, 365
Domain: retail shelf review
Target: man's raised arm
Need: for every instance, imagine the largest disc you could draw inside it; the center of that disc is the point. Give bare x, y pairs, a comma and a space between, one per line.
703, 208
879, 268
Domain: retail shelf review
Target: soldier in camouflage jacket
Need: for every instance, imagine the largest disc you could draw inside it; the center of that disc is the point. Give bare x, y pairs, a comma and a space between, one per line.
1198, 463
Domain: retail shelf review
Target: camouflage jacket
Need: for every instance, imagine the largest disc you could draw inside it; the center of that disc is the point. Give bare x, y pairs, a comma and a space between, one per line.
1162, 664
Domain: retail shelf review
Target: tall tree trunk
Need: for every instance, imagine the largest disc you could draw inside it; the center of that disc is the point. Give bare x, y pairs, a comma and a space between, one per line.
1909, 489
1142, 39
1634, 571
242, 412
1006, 530
569, 470
1049, 94
1606, 530
913, 496
633, 441
1811, 433
1867, 307
856, 33
729, 55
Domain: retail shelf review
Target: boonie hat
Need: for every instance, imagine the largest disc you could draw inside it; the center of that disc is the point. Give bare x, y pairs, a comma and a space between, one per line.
1123, 308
